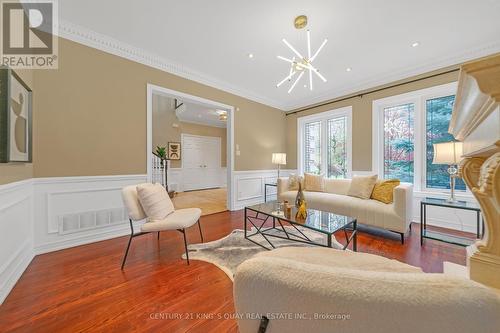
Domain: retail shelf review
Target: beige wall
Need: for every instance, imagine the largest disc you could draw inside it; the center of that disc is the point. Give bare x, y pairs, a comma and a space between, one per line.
91, 116
362, 119
11, 172
163, 132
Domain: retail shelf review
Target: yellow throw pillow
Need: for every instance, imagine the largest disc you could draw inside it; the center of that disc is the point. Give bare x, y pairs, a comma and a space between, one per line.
313, 183
384, 190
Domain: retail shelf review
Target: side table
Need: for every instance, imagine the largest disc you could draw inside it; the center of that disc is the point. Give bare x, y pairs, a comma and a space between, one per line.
440, 236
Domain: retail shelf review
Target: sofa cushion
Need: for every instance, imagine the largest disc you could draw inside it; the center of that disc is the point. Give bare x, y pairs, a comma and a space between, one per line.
337, 186
155, 201
383, 190
294, 181
362, 186
313, 182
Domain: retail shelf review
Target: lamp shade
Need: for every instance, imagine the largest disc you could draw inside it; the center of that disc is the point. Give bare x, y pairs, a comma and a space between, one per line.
447, 153
279, 158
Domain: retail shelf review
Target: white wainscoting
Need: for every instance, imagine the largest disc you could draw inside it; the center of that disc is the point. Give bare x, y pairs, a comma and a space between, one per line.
176, 179
97, 199
16, 233
249, 186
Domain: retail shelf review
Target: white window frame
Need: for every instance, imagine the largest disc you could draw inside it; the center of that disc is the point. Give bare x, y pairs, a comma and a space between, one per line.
324, 117
418, 98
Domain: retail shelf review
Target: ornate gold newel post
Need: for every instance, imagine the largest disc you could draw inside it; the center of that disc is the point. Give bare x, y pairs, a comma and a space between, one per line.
482, 176
476, 122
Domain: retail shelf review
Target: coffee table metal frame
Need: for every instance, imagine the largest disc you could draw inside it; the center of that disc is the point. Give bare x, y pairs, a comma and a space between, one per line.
261, 218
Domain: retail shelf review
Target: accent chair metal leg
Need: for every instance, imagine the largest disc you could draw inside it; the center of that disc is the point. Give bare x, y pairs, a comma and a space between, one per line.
126, 251
186, 245
402, 238
158, 235
199, 227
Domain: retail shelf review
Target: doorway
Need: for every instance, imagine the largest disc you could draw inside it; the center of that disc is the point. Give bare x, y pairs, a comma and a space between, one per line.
202, 175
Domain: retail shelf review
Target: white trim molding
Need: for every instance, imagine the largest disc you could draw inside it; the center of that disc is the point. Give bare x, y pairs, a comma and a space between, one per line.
90, 38
324, 117
154, 89
93, 39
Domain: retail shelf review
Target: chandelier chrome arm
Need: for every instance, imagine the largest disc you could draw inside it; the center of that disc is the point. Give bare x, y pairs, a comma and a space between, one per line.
319, 50
292, 73
293, 85
293, 49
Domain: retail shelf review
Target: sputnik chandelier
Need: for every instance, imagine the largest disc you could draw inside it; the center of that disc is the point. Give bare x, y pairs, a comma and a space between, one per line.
300, 64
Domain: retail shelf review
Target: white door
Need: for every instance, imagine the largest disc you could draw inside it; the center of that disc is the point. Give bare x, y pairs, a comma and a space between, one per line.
200, 162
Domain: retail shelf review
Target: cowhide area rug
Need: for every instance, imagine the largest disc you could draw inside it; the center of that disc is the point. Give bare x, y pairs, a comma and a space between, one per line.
230, 251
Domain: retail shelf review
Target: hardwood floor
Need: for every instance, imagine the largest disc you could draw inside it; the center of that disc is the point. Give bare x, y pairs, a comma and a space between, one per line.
82, 289
209, 201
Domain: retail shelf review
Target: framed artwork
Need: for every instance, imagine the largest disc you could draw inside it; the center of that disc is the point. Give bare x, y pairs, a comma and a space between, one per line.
15, 118
174, 151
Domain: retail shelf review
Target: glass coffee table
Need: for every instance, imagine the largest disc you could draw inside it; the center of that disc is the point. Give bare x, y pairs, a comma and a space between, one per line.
319, 221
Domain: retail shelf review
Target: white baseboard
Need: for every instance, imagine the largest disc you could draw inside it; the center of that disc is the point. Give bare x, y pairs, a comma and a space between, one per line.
97, 236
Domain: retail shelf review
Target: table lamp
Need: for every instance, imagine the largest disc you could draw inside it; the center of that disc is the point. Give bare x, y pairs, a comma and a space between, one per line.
449, 153
279, 159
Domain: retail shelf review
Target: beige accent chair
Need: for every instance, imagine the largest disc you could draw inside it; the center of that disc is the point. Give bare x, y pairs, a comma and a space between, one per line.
324, 290
179, 219
395, 217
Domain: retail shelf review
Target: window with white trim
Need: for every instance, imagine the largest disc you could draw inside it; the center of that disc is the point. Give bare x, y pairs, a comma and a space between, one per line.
405, 127
324, 143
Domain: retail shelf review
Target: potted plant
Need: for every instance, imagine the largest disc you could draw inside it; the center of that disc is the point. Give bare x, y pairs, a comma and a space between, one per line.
161, 153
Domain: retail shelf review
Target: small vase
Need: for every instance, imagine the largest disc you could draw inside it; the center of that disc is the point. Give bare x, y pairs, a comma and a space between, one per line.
299, 199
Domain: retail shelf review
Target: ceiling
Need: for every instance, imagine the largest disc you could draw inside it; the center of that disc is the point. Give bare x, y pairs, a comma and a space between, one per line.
200, 114
211, 40
192, 112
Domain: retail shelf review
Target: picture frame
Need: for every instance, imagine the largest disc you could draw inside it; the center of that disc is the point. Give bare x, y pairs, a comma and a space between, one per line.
16, 129
174, 151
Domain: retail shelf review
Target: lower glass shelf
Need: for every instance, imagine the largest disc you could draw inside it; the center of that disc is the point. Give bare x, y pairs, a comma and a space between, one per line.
436, 235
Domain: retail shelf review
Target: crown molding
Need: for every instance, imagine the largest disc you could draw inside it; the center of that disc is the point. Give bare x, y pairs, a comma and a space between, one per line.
93, 39
90, 38
403, 73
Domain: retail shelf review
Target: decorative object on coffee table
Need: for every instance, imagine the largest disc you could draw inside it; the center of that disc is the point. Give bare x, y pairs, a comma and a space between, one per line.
302, 211
449, 153
299, 198
268, 225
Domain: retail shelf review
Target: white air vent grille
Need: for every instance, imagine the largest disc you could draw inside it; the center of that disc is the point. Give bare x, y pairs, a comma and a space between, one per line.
83, 221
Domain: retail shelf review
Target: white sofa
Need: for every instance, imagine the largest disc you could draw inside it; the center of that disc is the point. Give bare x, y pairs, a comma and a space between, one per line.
325, 290
395, 217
